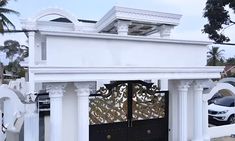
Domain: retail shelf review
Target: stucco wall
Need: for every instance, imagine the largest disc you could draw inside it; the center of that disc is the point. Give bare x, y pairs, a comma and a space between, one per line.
91, 52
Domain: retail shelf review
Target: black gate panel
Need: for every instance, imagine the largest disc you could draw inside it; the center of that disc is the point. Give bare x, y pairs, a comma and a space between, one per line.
149, 130
106, 132
129, 111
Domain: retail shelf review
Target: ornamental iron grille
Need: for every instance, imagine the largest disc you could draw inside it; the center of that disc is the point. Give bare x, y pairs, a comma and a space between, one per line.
129, 110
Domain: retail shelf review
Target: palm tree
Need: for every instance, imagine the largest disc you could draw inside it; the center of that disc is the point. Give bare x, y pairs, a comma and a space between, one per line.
214, 56
5, 23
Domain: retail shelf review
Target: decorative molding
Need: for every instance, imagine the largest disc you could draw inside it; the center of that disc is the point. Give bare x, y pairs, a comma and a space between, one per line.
199, 84
165, 30
116, 37
73, 74
183, 85
84, 88
122, 27
138, 15
55, 89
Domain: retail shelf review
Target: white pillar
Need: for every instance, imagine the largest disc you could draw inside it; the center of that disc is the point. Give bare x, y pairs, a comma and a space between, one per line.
205, 121
164, 84
56, 91
122, 27
31, 123
31, 48
197, 122
183, 91
83, 92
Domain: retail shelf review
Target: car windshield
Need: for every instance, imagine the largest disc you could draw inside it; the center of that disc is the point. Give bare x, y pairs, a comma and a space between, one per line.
225, 101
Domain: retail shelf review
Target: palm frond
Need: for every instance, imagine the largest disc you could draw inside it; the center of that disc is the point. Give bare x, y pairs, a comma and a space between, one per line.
8, 11
6, 22
3, 3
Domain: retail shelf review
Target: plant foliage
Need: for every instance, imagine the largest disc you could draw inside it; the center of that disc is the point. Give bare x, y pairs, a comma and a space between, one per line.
218, 19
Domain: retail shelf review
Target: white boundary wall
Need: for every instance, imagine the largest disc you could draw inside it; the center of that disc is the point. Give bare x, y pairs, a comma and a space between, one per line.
225, 130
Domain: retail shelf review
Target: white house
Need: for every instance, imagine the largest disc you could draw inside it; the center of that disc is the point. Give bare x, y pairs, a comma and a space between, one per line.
125, 47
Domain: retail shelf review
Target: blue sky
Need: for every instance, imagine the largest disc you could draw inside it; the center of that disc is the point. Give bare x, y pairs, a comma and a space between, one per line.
189, 28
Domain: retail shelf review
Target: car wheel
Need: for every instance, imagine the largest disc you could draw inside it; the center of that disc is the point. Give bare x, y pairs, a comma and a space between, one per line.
231, 119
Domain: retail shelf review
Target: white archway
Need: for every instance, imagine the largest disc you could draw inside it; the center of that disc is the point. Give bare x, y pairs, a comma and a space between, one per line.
229, 79
11, 105
55, 11
218, 87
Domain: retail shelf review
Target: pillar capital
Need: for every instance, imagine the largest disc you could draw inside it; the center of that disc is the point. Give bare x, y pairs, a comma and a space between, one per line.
83, 88
198, 84
183, 85
55, 89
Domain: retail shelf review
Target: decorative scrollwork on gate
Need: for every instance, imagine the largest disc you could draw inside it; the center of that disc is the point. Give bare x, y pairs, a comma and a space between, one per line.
148, 103
110, 106
112, 101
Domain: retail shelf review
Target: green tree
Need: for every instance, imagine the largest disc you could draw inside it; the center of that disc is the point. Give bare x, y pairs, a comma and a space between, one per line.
5, 23
230, 61
218, 19
214, 56
15, 53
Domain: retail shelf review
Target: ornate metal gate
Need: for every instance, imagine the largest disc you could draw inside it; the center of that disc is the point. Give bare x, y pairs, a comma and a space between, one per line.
129, 111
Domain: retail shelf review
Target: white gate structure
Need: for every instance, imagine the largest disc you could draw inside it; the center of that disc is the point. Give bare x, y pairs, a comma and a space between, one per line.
67, 56
218, 131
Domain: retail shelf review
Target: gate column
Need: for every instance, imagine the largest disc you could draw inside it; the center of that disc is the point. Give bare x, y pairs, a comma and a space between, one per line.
56, 91
183, 92
205, 121
83, 92
197, 132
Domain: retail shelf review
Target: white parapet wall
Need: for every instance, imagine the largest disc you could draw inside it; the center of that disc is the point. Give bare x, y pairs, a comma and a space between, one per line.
221, 131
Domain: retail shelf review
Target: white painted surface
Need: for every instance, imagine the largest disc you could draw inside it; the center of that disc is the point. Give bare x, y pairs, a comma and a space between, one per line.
69, 122
197, 110
173, 111
90, 52
221, 131
76, 54
56, 91
83, 93
183, 113
218, 131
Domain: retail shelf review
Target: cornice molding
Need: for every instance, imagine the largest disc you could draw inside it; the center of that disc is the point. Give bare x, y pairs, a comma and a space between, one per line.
118, 37
70, 74
140, 15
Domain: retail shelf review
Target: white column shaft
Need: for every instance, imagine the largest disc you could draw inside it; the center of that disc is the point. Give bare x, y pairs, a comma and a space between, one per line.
183, 114
56, 91
83, 93
31, 48
205, 121
56, 118
83, 119
31, 125
197, 122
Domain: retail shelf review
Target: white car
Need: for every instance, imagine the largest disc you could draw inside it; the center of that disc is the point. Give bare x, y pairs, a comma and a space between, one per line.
222, 110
